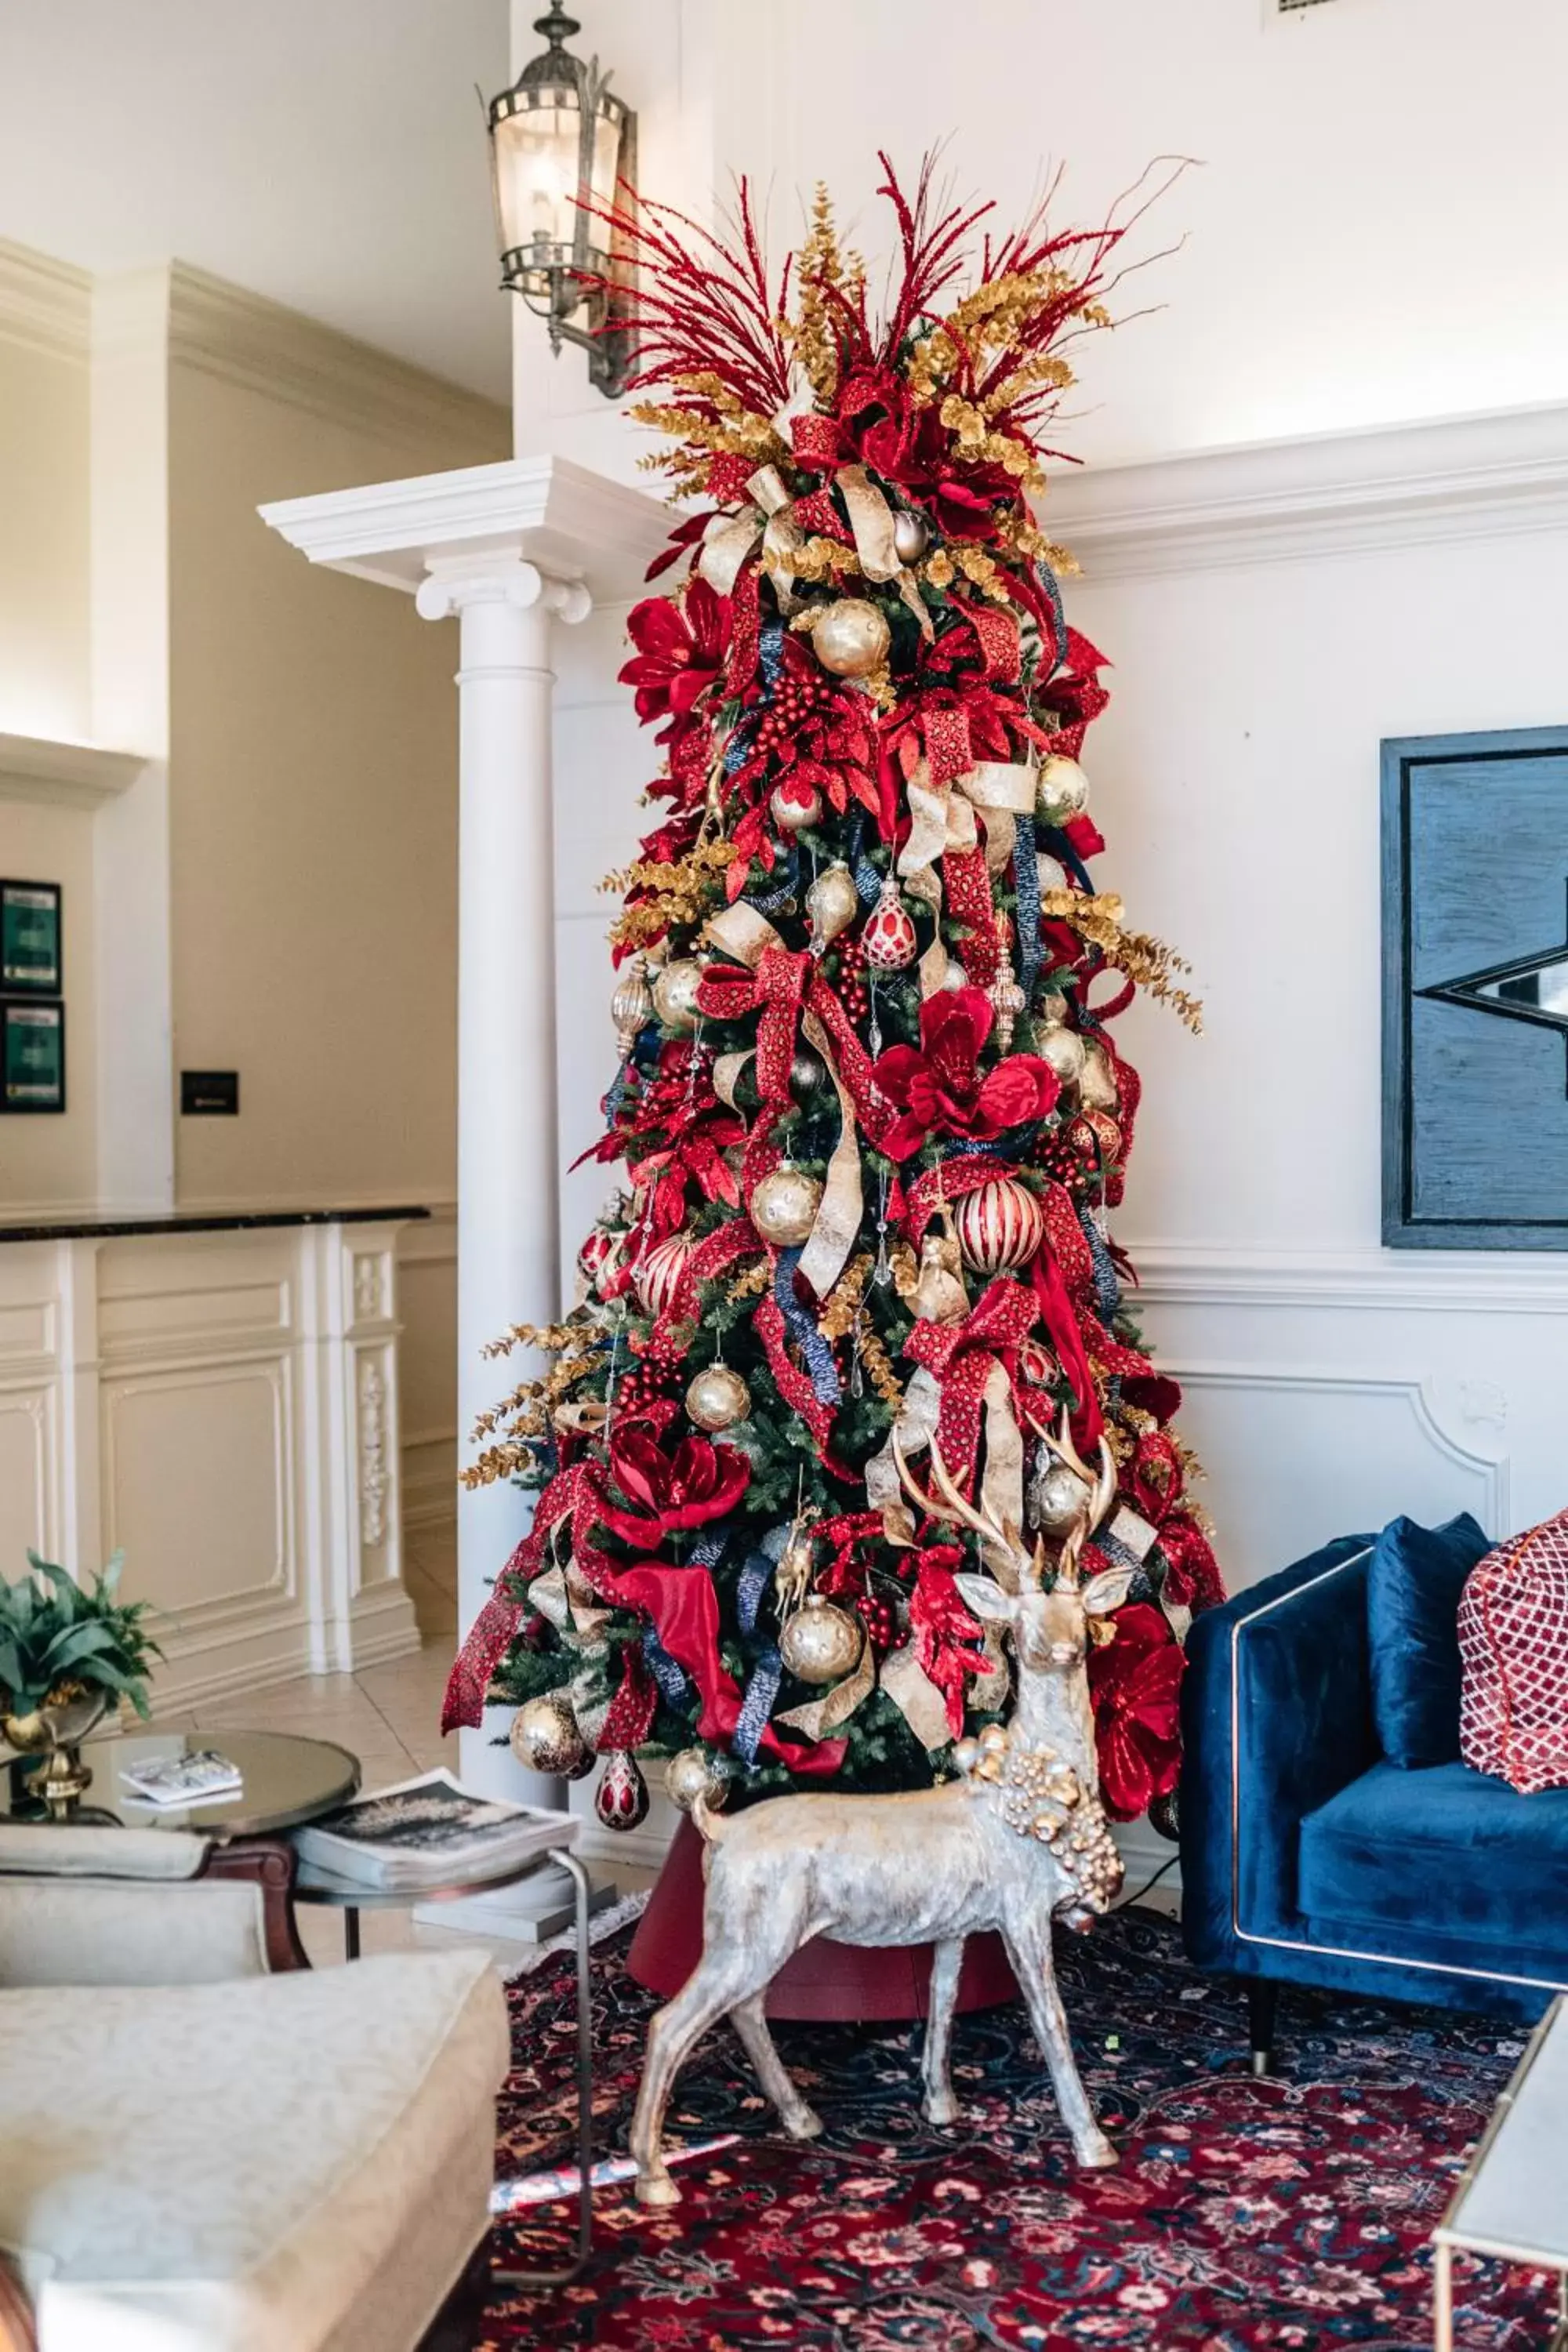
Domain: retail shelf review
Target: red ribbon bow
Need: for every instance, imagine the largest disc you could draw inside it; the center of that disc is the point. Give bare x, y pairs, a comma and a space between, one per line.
963, 1357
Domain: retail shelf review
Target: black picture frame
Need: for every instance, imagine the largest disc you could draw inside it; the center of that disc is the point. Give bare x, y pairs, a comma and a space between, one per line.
1475, 966
16, 980
27, 1012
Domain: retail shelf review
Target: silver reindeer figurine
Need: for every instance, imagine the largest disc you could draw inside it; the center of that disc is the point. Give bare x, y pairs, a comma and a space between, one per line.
1017, 1841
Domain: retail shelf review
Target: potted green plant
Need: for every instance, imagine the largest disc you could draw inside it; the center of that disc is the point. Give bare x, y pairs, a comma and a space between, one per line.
68, 1652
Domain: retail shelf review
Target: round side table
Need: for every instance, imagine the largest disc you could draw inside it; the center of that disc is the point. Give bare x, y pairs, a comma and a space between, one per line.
285, 1780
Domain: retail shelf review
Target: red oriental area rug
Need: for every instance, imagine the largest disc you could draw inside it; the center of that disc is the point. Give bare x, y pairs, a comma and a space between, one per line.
1292, 2212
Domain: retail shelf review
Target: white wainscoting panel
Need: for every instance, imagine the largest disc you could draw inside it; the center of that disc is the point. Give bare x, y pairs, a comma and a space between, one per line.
224, 1405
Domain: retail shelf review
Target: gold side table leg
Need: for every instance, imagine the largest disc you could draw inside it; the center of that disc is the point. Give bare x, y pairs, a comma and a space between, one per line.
1443, 2332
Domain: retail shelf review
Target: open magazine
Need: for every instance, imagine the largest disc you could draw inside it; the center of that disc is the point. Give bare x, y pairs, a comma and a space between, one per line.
431, 1832
176, 1783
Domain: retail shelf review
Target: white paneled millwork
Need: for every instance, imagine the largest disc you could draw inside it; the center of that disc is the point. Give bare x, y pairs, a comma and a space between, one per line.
223, 1406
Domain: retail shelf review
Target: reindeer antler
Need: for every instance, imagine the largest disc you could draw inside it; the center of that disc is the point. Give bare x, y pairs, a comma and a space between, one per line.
956, 1509
1100, 1493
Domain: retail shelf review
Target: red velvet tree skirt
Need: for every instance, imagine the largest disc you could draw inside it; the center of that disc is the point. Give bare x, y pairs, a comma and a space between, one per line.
843, 1983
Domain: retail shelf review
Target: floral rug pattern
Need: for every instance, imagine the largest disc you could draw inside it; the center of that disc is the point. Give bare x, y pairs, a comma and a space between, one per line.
1291, 2213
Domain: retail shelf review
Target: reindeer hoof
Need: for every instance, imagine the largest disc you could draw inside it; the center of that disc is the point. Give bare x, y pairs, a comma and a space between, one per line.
802, 2122
942, 2109
657, 2189
1096, 2154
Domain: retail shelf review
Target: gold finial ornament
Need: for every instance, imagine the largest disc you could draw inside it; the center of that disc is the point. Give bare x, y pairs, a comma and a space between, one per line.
631, 1007
1007, 999
832, 903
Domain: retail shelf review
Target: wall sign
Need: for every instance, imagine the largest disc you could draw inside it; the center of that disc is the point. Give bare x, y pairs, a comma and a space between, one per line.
30, 949
32, 1057
1474, 991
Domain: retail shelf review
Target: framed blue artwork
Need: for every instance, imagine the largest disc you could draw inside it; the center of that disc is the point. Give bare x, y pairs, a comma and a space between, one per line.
1474, 991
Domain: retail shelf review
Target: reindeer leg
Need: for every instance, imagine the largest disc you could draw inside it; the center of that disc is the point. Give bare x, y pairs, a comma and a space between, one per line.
1029, 1949
798, 2120
940, 2107
672, 2033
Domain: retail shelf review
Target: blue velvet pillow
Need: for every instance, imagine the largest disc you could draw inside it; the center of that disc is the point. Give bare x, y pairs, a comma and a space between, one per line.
1413, 1582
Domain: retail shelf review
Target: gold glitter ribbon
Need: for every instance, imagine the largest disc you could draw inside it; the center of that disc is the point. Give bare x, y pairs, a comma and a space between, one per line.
916, 1696
944, 815
728, 540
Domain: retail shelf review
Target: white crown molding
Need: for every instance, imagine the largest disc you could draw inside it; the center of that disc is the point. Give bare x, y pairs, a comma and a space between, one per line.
64, 775
45, 304
241, 337
570, 523
1174, 1273
1461, 478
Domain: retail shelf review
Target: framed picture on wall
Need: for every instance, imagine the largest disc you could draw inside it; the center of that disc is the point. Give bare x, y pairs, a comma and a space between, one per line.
32, 1056
31, 954
1474, 991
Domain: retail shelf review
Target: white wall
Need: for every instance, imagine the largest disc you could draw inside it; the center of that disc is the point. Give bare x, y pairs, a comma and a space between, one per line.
1374, 234
44, 650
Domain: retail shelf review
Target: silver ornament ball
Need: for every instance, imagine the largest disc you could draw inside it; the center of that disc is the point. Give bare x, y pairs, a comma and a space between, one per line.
807, 1072
1057, 1500
784, 1206
694, 1773
718, 1397
821, 1642
851, 637
794, 807
1061, 789
675, 995
911, 535
544, 1738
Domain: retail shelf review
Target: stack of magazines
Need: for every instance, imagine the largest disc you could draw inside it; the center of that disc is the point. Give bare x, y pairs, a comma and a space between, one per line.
431, 1832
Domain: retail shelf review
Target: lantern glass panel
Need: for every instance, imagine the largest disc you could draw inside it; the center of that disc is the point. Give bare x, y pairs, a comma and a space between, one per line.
537, 159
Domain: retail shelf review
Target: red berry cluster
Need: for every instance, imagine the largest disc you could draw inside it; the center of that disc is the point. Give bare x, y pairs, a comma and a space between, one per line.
795, 700
1062, 1156
853, 993
881, 1620
656, 1372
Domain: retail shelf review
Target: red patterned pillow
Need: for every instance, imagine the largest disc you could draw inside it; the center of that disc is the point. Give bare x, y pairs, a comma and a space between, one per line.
1513, 1660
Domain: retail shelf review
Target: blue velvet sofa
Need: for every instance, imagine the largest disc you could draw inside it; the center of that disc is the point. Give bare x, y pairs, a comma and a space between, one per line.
1309, 1857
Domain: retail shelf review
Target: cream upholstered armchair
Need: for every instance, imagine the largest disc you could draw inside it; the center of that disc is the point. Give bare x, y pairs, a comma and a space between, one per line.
205, 2146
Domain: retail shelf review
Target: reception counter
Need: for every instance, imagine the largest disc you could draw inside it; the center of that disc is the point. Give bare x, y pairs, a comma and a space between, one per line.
217, 1394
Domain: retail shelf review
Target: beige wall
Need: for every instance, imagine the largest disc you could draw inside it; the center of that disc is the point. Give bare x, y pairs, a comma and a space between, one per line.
52, 1161
313, 814
44, 649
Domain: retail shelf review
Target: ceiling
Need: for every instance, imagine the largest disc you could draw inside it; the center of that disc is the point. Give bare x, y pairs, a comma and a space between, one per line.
327, 153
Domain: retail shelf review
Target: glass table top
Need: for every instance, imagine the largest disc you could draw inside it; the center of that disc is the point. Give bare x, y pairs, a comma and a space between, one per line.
1515, 2202
286, 1780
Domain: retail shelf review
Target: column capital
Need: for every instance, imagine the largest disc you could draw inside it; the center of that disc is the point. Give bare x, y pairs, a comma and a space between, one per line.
453, 584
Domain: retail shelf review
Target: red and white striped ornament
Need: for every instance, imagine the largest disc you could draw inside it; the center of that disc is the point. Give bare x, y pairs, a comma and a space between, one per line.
889, 938
658, 1273
999, 1227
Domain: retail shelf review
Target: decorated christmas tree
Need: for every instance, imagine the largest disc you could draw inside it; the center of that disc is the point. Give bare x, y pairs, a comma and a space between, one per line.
870, 1104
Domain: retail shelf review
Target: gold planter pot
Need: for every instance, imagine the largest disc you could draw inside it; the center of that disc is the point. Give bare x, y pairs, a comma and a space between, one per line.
57, 1730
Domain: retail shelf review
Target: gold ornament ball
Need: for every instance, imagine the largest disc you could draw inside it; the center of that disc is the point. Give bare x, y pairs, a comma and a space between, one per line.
851, 637
1058, 1500
784, 1206
718, 1397
545, 1739
1063, 1049
911, 535
821, 1642
675, 995
1097, 1086
695, 1773
1061, 789
832, 902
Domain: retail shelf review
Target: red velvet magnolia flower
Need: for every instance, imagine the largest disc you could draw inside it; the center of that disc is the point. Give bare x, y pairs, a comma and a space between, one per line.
680, 650
1135, 1685
937, 1087
685, 1488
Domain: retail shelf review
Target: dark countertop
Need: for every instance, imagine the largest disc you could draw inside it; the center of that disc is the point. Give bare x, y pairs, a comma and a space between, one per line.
110, 1227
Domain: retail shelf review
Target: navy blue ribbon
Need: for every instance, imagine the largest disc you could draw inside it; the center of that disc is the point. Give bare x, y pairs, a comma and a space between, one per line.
1107, 1288
1047, 580
757, 1706
803, 1330
670, 1677
786, 887
1061, 848
1026, 881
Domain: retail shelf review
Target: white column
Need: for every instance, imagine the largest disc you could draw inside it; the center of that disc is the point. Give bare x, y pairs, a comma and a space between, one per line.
508, 1174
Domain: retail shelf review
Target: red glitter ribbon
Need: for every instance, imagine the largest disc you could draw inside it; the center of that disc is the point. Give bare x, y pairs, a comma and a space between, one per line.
962, 1356
684, 1610
634, 1707
966, 882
